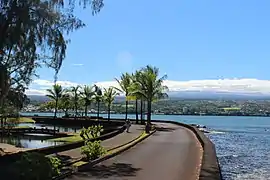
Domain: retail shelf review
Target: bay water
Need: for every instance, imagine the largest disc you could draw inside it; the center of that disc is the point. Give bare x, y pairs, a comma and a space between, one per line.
242, 143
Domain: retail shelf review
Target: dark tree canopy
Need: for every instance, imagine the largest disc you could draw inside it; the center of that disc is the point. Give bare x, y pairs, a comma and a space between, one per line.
32, 33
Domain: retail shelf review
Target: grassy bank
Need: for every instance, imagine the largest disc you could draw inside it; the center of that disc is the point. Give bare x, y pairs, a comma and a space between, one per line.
21, 120
73, 138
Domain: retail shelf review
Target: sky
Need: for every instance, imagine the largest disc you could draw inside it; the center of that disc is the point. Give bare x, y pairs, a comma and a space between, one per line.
201, 45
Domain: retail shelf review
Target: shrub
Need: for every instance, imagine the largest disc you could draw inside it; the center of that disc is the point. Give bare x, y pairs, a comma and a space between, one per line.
55, 163
31, 166
82, 133
95, 131
93, 150
91, 132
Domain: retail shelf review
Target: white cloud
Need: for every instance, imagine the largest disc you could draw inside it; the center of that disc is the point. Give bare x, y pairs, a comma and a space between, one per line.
47, 83
220, 85
35, 92
77, 64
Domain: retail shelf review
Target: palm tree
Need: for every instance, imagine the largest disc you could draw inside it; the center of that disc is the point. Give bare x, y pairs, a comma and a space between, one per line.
151, 88
135, 85
55, 94
75, 97
65, 103
87, 94
125, 83
98, 98
108, 97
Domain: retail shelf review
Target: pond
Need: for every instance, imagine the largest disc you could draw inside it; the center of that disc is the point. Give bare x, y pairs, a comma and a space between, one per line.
28, 141
61, 128
36, 140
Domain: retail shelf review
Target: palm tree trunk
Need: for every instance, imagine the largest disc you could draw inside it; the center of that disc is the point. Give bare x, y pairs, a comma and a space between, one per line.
141, 111
55, 113
136, 107
76, 110
98, 110
126, 109
85, 111
148, 124
109, 112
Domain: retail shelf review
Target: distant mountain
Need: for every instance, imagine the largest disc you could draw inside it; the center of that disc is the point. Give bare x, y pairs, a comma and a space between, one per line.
192, 95
38, 98
218, 95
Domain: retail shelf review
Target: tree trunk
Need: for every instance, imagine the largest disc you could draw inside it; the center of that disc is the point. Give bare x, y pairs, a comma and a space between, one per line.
126, 109
55, 113
98, 110
136, 107
85, 111
148, 124
141, 111
76, 110
109, 112
2, 117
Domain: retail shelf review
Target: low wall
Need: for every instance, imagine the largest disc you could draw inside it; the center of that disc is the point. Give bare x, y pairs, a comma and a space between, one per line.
210, 169
79, 122
59, 148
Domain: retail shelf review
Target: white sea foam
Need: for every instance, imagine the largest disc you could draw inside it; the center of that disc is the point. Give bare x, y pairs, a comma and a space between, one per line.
258, 174
216, 132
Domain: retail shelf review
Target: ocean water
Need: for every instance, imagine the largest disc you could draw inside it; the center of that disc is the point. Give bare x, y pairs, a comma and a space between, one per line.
242, 143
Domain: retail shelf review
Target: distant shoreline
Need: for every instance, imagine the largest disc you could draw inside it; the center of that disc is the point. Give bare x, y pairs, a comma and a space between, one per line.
156, 114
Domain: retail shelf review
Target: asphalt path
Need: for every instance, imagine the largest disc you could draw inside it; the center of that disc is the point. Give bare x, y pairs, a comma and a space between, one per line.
172, 153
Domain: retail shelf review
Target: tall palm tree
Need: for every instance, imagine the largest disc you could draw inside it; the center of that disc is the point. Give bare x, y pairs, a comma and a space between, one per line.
65, 103
151, 88
87, 95
75, 93
55, 94
124, 83
135, 85
98, 98
108, 97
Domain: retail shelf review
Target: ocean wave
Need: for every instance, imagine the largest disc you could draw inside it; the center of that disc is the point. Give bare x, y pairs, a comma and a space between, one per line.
257, 174
216, 132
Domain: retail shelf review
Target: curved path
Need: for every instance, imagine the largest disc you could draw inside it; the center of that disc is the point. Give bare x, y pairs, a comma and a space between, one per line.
172, 153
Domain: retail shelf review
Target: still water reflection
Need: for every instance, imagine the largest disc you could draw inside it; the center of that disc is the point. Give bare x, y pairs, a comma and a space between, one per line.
36, 140
61, 128
28, 141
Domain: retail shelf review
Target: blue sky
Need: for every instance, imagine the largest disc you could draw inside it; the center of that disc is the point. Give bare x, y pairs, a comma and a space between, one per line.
187, 40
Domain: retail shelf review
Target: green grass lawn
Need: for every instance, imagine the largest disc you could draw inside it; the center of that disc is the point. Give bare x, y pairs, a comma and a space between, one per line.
73, 138
22, 120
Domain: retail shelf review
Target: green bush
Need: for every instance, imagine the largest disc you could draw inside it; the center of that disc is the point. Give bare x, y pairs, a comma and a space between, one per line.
31, 166
55, 163
93, 150
91, 132
95, 131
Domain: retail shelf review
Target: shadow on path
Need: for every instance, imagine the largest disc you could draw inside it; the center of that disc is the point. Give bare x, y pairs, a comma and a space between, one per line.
163, 129
116, 170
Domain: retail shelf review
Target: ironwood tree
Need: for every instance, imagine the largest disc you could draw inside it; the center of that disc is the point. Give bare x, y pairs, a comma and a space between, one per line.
32, 33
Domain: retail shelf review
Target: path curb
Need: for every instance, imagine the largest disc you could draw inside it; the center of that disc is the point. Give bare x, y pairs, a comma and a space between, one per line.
125, 147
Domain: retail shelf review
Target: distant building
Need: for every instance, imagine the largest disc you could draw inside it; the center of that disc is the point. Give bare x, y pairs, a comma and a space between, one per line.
185, 110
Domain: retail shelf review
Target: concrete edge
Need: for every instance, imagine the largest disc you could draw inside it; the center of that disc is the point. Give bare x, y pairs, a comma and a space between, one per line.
210, 168
80, 159
59, 148
128, 146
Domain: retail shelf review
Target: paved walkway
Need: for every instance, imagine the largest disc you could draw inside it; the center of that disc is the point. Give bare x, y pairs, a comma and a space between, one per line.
134, 131
172, 153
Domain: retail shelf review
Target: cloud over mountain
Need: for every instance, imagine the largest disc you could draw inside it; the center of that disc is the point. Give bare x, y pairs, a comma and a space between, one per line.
245, 86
